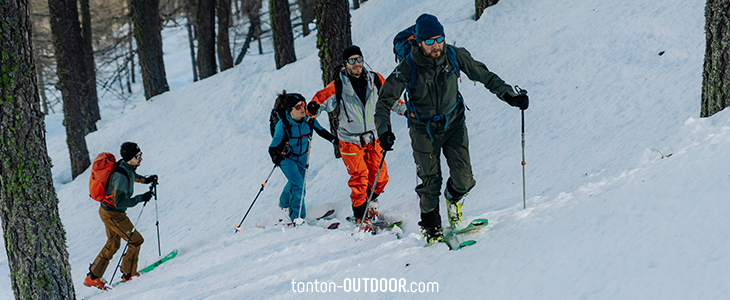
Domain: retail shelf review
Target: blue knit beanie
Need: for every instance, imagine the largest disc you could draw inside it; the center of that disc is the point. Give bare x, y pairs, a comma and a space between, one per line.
428, 26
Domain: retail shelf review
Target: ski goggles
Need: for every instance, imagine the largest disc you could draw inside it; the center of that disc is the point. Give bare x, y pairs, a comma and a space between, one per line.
138, 156
356, 59
300, 105
437, 40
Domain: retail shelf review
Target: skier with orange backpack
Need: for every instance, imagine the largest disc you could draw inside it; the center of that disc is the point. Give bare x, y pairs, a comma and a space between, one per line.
116, 180
354, 91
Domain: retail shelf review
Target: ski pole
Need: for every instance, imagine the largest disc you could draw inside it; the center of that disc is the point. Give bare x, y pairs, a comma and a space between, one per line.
157, 218
372, 191
304, 183
128, 239
523, 92
524, 206
238, 227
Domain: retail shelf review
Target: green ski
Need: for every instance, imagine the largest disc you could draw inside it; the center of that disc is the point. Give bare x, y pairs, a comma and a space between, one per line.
451, 238
155, 264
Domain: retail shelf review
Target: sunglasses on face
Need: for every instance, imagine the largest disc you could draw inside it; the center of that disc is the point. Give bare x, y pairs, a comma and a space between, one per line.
138, 156
300, 105
437, 40
356, 59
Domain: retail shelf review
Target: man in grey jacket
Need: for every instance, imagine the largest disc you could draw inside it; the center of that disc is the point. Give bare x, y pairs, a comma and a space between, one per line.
355, 92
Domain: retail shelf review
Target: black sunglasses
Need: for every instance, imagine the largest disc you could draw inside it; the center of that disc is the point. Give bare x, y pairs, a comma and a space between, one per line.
437, 40
138, 156
353, 60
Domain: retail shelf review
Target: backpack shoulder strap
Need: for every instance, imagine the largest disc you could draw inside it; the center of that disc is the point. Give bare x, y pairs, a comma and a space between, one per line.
451, 56
287, 126
118, 169
412, 66
338, 95
376, 80
338, 89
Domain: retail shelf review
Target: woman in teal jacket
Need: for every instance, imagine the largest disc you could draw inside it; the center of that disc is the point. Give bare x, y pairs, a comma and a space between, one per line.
289, 149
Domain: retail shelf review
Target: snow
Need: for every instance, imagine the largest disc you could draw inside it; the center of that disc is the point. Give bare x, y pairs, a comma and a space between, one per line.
610, 213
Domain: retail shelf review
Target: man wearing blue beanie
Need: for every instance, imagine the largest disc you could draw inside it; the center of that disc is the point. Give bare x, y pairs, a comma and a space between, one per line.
429, 74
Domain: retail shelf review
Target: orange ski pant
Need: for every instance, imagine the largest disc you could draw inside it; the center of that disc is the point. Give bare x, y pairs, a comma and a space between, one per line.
362, 164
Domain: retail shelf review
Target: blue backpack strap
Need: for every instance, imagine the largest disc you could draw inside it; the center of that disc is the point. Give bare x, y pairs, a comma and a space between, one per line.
410, 107
451, 56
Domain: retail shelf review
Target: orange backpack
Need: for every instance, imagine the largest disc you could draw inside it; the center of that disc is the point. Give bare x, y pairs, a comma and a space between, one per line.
101, 169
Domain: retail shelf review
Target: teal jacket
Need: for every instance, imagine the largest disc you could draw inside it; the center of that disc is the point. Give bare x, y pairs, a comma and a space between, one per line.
120, 188
434, 92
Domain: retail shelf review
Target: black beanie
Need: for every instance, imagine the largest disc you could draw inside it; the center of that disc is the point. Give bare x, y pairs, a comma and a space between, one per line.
292, 100
350, 51
129, 150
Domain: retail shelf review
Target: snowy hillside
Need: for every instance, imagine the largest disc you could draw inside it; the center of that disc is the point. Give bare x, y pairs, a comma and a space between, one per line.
610, 214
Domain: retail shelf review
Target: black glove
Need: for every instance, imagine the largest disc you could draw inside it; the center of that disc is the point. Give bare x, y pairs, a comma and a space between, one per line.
150, 179
276, 156
520, 101
312, 108
387, 140
146, 196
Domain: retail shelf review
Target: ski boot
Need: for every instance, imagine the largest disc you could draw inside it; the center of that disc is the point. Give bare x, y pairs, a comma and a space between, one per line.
96, 282
373, 207
373, 211
453, 206
431, 234
126, 278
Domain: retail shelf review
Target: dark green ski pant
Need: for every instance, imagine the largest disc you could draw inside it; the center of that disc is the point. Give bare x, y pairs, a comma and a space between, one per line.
427, 154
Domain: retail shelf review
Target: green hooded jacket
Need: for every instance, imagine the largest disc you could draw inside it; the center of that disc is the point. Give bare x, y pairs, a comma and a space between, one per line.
434, 92
120, 188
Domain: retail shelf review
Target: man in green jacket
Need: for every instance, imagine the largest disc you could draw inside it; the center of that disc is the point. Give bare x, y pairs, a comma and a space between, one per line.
119, 190
436, 118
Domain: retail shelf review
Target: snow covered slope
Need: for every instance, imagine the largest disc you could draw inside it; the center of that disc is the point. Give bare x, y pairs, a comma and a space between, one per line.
608, 215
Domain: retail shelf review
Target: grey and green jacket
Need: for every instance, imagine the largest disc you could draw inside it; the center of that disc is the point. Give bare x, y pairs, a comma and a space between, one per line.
120, 187
356, 123
434, 91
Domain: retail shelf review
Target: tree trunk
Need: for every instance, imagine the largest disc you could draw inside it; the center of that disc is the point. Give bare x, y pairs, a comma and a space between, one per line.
247, 43
282, 33
223, 10
147, 26
481, 5
205, 33
93, 100
191, 20
131, 50
70, 67
333, 36
34, 237
716, 70
306, 8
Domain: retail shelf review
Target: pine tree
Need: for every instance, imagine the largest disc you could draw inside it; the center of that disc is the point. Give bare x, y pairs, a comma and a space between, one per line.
34, 236
716, 70
282, 33
147, 27
67, 43
92, 103
205, 33
306, 9
225, 59
333, 36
